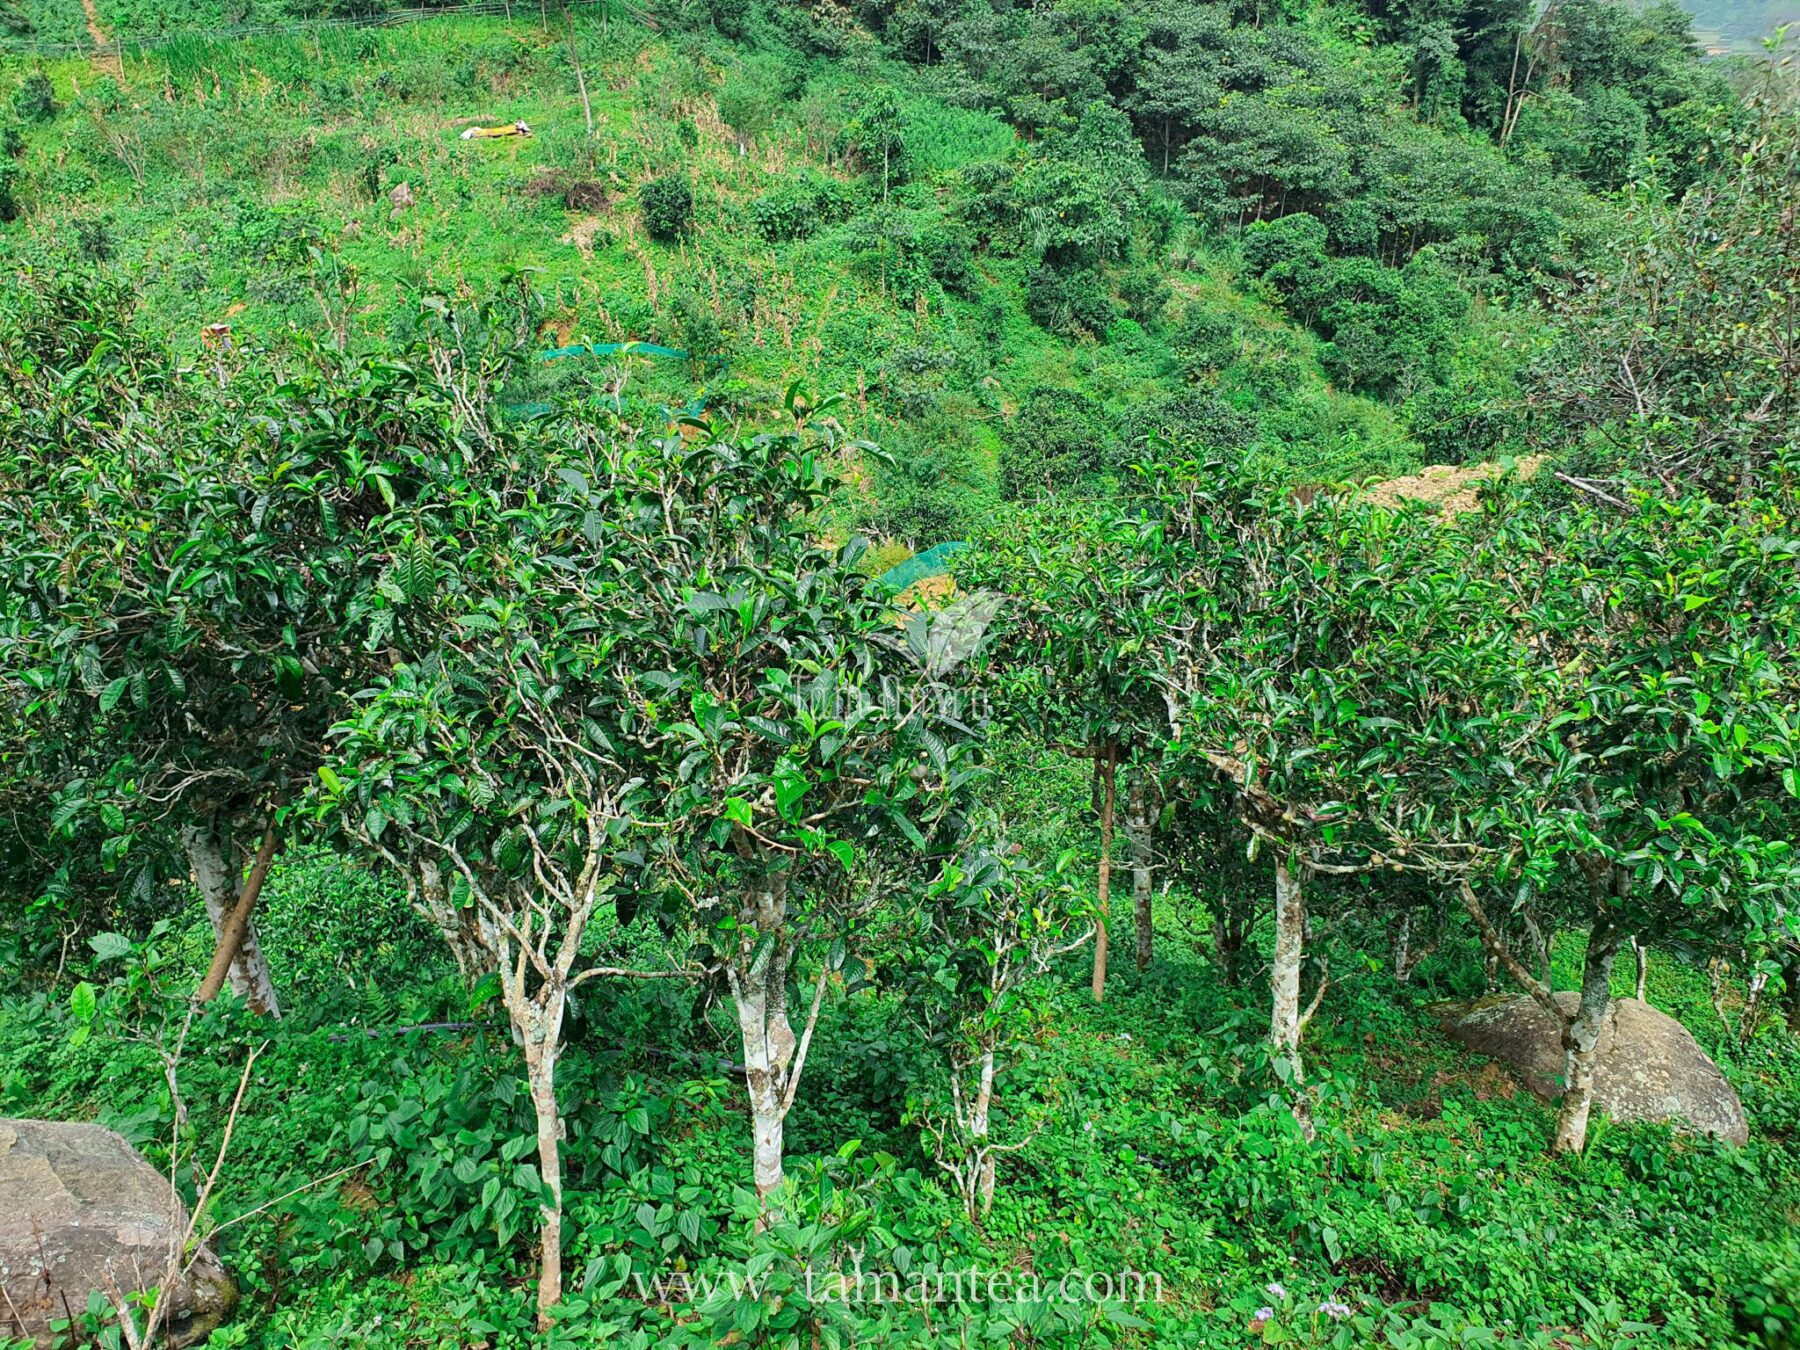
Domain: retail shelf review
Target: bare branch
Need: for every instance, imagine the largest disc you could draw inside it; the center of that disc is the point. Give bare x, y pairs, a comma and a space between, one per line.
1581, 484
1498, 948
1318, 994
625, 973
812, 1021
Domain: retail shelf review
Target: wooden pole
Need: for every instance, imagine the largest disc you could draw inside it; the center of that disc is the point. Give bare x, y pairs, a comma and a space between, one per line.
1104, 763
237, 923
587, 109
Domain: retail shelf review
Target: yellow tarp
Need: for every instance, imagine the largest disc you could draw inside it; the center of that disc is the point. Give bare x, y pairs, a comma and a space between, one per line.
489, 133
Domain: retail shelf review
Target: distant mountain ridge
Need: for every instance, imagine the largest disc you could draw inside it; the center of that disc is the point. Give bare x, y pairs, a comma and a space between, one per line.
1739, 26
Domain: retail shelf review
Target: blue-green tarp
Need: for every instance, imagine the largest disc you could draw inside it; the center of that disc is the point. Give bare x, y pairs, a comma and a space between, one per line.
932, 562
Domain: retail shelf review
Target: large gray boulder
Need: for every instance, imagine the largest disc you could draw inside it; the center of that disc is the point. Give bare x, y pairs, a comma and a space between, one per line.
1649, 1068
80, 1210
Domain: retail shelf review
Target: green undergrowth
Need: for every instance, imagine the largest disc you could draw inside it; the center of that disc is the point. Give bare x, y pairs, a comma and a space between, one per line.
1427, 1204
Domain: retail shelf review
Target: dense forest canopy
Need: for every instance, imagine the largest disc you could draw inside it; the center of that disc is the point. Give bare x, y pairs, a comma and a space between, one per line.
601, 605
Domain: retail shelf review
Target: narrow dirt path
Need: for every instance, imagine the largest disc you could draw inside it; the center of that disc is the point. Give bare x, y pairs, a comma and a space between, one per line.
103, 41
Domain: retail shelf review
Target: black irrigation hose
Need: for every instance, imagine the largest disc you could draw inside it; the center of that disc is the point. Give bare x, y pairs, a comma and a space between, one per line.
422, 1026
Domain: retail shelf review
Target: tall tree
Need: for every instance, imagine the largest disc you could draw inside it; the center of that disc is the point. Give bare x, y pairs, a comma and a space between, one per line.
1611, 745
1088, 608
1304, 621
990, 924
1181, 78
800, 749
188, 564
1672, 632
501, 759
1681, 355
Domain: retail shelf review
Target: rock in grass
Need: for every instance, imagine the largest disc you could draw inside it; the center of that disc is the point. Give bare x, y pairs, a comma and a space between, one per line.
1650, 1068
81, 1210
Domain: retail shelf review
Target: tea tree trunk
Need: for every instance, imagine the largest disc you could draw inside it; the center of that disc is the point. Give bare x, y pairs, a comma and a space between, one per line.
981, 1198
249, 970
1791, 975
1581, 1038
773, 1057
230, 933
1232, 919
1752, 1016
1286, 1020
538, 1022
1138, 833
430, 895
535, 962
1408, 953
767, 1045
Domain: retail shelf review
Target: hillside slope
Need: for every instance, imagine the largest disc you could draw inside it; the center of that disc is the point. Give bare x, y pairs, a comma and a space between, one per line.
318, 182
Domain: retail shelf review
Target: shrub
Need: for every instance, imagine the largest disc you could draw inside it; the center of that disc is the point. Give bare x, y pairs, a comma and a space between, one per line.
1059, 437
1195, 423
797, 210
34, 100
985, 202
746, 108
10, 176
935, 487
953, 264
1615, 130
914, 376
1354, 228
585, 194
330, 925
1387, 327
1144, 293
1279, 249
1069, 303
699, 332
890, 246
668, 206
729, 17
782, 215
1204, 342
93, 238
876, 136
372, 171
1458, 425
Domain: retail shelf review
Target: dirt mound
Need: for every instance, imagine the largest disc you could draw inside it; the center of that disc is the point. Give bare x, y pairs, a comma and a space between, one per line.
584, 232
1453, 489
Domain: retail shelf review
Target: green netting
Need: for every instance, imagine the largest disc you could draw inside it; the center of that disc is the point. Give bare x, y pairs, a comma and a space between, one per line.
610, 348
528, 410
525, 411
932, 562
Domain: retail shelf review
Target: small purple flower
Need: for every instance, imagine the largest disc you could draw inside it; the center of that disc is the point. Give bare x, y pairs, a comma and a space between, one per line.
1336, 1311
1264, 1315
1275, 1289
